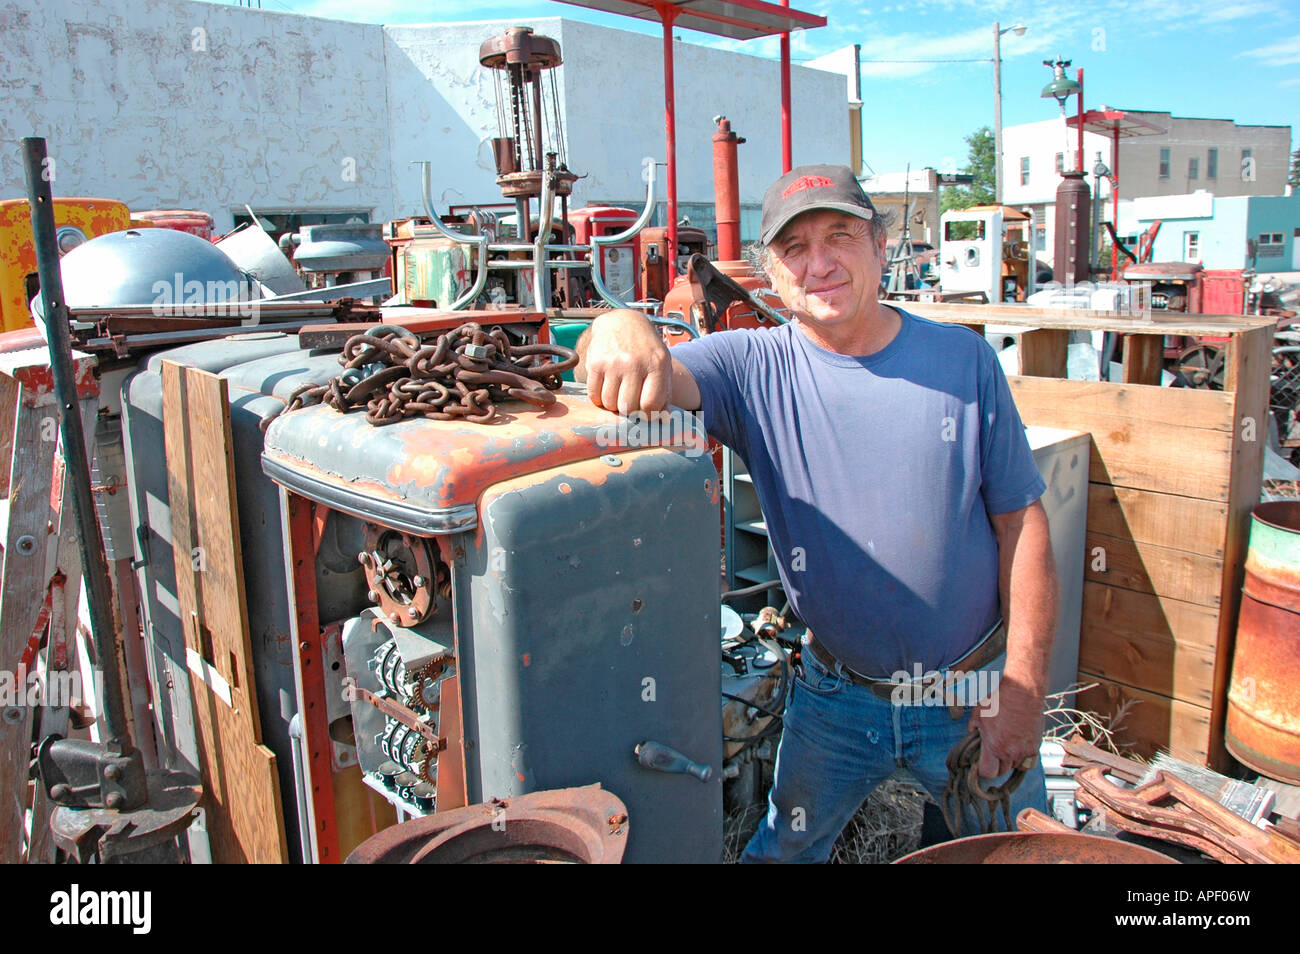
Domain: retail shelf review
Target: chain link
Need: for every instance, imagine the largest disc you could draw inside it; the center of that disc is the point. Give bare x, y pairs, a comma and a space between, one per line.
462, 375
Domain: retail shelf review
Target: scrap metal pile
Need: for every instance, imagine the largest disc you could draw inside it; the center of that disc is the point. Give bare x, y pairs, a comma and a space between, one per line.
462, 375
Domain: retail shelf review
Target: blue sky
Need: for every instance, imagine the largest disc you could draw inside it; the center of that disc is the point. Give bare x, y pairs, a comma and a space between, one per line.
1225, 59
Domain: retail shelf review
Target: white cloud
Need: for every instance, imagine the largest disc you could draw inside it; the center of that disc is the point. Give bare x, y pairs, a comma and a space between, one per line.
1282, 53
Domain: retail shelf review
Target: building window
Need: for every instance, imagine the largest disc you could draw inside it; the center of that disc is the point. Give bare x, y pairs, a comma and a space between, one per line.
1024, 170
1212, 164
1060, 163
1270, 245
1193, 168
1191, 246
1164, 163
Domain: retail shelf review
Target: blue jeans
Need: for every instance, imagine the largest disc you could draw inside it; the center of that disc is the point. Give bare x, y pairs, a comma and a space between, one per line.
839, 742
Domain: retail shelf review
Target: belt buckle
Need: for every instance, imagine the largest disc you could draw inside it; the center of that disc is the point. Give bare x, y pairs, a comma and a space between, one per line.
915, 691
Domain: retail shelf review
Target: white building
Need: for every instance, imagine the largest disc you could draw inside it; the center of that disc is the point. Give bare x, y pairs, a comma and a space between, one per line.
176, 104
1215, 155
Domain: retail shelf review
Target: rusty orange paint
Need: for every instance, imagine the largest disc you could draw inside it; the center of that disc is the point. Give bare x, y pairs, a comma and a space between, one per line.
18, 253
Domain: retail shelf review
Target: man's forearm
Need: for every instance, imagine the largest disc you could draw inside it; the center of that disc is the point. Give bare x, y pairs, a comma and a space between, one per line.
1027, 579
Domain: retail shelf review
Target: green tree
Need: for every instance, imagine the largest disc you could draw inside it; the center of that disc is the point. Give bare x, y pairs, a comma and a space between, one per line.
979, 165
1294, 177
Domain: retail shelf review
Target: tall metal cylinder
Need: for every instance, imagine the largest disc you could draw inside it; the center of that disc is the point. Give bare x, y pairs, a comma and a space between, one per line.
1073, 201
726, 189
1263, 723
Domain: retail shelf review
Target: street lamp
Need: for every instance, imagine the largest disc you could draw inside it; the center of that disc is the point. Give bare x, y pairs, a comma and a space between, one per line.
1060, 89
1018, 30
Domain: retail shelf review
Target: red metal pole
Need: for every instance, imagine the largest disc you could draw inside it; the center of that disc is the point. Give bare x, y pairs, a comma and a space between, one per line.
726, 189
1079, 154
1114, 201
668, 14
787, 150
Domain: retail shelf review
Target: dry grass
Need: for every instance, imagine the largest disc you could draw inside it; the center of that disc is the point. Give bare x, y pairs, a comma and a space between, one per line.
886, 827
1064, 722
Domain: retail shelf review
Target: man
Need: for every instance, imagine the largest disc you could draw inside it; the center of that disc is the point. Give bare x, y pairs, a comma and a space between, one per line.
901, 499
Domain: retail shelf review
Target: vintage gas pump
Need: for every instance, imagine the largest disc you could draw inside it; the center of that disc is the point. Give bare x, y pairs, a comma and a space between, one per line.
76, 221
619, 264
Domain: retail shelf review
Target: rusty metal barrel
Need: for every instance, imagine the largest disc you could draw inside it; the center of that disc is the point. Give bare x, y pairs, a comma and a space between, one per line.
1263, 722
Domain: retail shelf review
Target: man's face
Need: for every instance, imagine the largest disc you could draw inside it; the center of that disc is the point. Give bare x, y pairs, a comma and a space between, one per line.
826, 268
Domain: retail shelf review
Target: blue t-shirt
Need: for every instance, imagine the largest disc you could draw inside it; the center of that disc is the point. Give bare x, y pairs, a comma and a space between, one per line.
876, 476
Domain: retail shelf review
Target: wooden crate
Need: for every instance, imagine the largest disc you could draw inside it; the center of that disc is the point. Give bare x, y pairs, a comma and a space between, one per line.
1174, 475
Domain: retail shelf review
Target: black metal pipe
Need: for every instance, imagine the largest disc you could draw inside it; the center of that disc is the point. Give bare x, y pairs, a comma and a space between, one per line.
94, 564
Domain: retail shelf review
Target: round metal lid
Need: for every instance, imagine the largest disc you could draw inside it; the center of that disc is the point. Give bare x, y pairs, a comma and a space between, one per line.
151, 266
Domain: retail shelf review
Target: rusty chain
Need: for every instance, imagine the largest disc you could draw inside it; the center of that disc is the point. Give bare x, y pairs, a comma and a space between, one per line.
964, 789
462, 375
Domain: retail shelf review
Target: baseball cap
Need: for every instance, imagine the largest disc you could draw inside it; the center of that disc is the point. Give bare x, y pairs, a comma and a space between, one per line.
812, 187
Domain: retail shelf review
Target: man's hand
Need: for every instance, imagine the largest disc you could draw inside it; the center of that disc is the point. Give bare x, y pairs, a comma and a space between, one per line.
1011, 730
628, 368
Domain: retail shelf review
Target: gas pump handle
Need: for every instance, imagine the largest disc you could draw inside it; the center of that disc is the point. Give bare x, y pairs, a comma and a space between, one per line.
479, 240
599, 241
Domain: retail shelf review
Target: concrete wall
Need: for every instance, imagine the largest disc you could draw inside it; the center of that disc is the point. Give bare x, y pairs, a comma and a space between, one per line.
1041, 141
1192, 138
617, 91
169, 103
1220, 228
1275, 214
1139, 158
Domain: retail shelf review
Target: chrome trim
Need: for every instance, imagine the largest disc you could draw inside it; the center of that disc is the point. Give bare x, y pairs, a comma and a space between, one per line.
419, 521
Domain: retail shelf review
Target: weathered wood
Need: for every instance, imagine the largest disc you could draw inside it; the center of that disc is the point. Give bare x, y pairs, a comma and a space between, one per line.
1043, 352
1249, 362
1166, 520
241, 787
1160, 322
1142, 358
1080, 401
8, 418
23, 584
65, 556
1152, 722
1154, 643
1147, 568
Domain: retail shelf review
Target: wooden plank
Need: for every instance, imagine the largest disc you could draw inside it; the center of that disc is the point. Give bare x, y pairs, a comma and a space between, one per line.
1152, 722
1042, 352
65, 610
451, 759
8, 419
1131, 614
1143, 356
1147, 568
23, 582
1145, 446
1167, 520
1081, 400
361, 811
241, 787
1249, 362
1151, 642
1156, 322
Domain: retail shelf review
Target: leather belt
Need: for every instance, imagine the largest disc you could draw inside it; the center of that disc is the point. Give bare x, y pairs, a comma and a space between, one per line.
993, 645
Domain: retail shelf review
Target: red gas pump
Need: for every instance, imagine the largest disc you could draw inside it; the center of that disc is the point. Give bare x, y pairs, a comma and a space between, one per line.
619, 266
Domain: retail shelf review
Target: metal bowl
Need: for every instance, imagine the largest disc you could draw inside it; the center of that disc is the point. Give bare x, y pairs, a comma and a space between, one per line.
1035, 848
